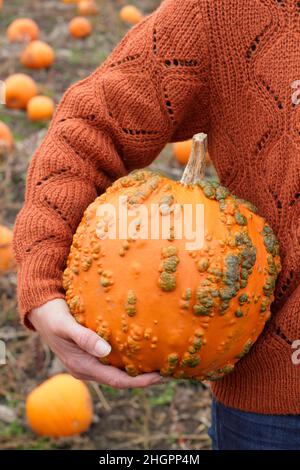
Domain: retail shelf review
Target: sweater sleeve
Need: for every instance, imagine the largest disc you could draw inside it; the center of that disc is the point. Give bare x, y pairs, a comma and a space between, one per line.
151, 90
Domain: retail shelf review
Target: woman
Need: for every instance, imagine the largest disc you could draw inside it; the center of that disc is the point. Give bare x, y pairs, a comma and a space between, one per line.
225, 68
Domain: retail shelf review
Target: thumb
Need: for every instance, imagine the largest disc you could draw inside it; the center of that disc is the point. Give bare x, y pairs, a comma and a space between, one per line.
89, 341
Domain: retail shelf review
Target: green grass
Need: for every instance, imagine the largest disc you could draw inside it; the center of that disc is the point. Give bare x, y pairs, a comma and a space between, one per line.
110, 390
14, 429
41, 443
11, 401
6, 118
165, 397
163, 394
17, 431
19, 124
80, 56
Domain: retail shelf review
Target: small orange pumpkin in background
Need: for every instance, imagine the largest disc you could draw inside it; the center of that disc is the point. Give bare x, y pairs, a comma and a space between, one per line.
1, 4
182, 151
60, 406
186, 311
19, 88
87, 7
6, 139
40, 108
37, 55
80, 27
130, 14
22, 30
7, 260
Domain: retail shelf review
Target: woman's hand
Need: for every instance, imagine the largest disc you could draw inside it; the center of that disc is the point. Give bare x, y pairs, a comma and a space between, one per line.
79, 348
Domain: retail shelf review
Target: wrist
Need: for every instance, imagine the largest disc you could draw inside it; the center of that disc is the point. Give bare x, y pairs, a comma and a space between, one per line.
52, 306
34, 315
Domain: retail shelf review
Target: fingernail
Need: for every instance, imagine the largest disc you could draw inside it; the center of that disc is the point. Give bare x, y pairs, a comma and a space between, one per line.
160, 380
102, 348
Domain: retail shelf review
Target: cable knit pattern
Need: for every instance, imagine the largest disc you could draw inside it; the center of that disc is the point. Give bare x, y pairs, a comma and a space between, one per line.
222, 67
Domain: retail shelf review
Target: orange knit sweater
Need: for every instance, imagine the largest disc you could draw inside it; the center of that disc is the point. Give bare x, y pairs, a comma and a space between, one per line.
223, 67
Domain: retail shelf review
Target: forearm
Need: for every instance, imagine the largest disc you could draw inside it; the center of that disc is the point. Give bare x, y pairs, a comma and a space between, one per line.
75, 163
116, 120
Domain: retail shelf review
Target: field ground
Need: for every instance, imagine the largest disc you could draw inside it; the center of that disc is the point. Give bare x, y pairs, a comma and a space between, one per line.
171, 416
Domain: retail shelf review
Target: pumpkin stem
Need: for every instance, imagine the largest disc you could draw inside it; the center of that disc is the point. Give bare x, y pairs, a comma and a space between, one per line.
195, 168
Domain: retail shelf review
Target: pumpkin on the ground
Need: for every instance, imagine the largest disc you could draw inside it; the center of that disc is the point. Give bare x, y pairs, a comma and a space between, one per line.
19, 89
6, 139
87, 7
163, 304
60, 406
22, 30
7, 260
40, 108
37, 55
130, 14
80, 27
182, 151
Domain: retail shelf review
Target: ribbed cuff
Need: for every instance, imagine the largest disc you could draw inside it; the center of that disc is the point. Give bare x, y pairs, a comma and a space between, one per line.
40, 280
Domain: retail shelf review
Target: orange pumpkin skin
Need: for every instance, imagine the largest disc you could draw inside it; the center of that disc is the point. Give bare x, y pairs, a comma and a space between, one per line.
186, 314
60, 406
87, 7
40, 108
22, 30
6, 139
130, 14
37, 55
7, 261
80, 27
182, 151
19, 89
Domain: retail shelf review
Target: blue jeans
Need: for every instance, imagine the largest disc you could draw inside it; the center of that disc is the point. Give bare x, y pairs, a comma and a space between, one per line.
233, 429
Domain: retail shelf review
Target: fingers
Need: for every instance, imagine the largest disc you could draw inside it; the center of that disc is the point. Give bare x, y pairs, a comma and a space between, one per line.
118, 379
78, 347
65, 326
89, 341
89, 368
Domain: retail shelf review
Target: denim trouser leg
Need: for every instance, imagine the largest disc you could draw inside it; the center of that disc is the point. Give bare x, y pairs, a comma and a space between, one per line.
233, 429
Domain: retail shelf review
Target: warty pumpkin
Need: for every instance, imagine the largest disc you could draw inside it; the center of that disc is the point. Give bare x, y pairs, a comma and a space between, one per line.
6, 139
37, 55
19, 89
80, 27
130, 14
40, 108
187, 313
7, 260
22, 30
60, 406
